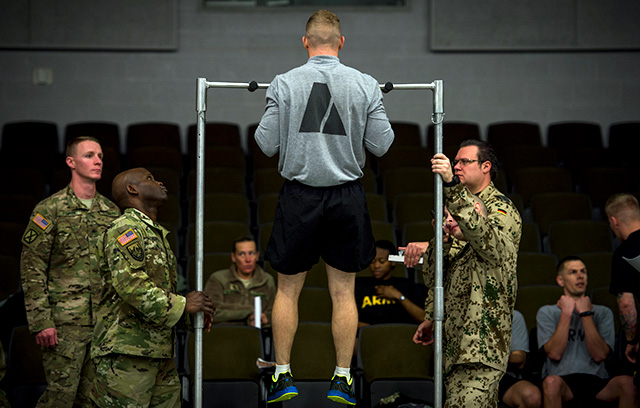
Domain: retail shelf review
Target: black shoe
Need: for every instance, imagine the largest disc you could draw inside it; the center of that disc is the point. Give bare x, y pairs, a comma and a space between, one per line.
342, 391
282, 389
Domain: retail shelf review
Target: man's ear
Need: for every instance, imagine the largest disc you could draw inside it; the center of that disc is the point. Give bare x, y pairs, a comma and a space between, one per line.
486, 167
70, 162
560, 280
131, 189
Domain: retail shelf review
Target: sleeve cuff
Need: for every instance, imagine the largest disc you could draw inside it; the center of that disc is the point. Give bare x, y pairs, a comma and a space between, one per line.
178, 304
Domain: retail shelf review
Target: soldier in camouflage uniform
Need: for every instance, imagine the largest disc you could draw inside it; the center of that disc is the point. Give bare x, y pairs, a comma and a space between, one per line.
60, 278
476, 166
134, 341
233, 290
480, 292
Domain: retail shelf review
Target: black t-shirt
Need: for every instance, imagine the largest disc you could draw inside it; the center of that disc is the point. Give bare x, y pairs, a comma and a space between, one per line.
624, 277
377, 310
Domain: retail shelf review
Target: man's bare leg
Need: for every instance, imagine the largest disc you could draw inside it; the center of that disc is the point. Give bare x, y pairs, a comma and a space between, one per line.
344, 318
285, 315
620, 388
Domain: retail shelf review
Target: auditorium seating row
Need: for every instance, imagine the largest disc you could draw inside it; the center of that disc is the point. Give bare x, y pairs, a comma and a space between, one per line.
386, 359
565, 136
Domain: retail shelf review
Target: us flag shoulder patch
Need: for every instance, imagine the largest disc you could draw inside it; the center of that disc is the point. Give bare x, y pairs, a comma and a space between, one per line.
127, 237
41, 222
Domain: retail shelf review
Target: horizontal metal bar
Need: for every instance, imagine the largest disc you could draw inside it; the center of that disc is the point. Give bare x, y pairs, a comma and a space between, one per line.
246, 85
412, 86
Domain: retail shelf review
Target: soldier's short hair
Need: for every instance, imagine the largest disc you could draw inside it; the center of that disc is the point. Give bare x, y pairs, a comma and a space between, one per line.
623, 206
73, 143
568, 258
323, 28
387, 245
485, 153
244, 238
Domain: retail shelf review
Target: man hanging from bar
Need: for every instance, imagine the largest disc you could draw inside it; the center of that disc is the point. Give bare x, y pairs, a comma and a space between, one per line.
320, 117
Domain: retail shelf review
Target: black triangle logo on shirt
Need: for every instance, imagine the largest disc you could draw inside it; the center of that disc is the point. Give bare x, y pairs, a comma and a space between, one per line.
318, 105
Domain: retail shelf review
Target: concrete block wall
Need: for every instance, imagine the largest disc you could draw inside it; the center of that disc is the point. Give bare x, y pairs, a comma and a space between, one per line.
256, 44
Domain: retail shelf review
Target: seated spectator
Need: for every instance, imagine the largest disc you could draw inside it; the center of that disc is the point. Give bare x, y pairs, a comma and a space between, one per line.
514, 391
383, 298
577, 337
233, 290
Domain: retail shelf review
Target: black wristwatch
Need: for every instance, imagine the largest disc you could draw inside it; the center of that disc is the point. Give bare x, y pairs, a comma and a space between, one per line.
585, 314
454, 182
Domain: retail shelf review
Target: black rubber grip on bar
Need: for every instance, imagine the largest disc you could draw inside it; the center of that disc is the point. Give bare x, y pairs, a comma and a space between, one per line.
253, 85
388, 87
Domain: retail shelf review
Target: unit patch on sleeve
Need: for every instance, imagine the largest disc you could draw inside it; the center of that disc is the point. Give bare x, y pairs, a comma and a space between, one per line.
30, 236
136, 251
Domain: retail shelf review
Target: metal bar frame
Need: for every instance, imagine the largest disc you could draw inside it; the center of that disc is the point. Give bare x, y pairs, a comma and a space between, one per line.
437, 118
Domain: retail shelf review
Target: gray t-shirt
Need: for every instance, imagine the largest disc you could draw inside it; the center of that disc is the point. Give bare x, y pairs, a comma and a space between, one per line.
320, 117
576, 358
519, 338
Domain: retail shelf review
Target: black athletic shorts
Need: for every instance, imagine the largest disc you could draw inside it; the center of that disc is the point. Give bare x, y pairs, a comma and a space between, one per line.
328, 222
585, 387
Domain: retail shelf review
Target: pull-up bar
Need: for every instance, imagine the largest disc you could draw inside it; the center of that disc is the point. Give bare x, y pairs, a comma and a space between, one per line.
436, 118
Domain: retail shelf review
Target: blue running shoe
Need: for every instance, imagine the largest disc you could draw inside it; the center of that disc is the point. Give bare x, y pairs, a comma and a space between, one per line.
341, 390
282, 389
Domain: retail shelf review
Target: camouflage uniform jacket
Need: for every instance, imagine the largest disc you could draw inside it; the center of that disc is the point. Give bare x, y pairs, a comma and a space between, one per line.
234, 301
480, 288
59, 264
501, 212
139, 305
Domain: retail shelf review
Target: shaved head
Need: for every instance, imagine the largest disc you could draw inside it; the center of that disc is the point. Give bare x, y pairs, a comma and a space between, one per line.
120, 183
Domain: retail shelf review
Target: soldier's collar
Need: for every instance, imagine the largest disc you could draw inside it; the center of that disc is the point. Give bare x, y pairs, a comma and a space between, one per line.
97, 198
145, 218
486, 191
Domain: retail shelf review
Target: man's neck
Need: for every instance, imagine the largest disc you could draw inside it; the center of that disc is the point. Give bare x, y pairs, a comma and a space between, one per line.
314, 52
629, 229
481, 187
151, 212
243, 275
575, 297
85, 189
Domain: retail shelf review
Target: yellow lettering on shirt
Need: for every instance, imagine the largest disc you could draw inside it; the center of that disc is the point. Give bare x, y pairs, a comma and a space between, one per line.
376, 301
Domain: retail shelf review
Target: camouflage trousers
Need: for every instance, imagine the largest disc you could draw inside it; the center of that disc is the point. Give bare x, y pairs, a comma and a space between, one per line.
68, 369
472, 385
134, 381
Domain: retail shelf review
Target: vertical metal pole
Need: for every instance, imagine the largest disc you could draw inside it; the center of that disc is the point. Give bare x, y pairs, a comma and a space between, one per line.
438, 116
201, 107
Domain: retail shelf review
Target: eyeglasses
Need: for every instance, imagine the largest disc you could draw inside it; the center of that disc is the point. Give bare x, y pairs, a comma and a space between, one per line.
465, 162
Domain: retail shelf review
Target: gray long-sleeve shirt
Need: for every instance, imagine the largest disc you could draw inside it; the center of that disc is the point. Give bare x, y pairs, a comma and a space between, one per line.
320, 117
